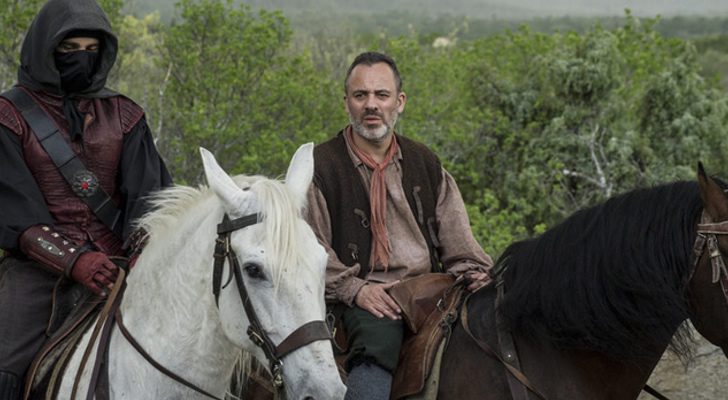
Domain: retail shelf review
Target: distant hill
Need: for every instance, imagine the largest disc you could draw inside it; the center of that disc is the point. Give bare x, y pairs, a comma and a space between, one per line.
482, 9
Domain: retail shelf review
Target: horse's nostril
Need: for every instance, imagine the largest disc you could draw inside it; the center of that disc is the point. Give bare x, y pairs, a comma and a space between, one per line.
308, 398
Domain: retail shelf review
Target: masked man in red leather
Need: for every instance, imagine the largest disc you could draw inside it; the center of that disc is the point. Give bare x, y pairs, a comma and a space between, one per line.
48, 230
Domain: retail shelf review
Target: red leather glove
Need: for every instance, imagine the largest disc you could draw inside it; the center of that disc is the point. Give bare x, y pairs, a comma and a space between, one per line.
94, 270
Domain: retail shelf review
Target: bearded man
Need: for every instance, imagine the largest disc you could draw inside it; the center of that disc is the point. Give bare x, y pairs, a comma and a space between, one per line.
385, 209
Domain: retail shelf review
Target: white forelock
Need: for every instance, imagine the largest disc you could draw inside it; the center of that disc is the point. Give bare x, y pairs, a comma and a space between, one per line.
284, 227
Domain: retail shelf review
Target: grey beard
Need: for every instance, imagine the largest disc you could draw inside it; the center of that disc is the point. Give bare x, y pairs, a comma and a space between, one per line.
374, 135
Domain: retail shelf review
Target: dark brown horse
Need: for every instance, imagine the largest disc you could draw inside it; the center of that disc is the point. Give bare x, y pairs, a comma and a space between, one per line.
594, 302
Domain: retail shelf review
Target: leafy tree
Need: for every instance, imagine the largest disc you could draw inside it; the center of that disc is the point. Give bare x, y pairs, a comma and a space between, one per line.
139, 72
233, 89
572, 119
14, 20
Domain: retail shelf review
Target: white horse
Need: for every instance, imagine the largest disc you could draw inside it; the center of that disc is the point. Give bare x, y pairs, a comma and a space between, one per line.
170, 309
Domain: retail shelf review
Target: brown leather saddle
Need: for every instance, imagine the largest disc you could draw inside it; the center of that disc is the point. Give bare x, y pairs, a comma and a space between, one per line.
429, 305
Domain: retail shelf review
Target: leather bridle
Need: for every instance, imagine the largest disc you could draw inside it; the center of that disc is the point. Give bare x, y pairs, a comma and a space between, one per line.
307, 333
707, 238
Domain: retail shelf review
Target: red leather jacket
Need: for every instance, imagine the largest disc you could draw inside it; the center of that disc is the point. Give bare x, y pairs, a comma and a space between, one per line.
107, 121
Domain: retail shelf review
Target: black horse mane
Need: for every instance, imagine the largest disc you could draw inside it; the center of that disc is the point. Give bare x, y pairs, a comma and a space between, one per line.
610, 278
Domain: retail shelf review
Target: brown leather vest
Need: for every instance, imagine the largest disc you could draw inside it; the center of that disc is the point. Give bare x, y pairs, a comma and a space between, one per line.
348, 204
107, 120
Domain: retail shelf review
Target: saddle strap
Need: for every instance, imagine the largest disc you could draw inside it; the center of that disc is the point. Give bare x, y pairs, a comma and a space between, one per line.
509, 351
111, 302
513, 371
155, 364
60, 368
102, 352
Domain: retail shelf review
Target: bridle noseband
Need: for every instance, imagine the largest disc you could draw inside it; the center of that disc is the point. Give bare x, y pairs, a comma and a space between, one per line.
307, 333
707, 237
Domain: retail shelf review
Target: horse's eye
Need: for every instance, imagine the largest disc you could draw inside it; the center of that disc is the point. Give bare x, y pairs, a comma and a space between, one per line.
254, 270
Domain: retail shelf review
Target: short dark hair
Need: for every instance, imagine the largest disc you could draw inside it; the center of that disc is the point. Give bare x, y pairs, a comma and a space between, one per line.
370, 58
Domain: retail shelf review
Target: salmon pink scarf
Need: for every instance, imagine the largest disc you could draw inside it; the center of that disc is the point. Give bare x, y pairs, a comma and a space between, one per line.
377, 200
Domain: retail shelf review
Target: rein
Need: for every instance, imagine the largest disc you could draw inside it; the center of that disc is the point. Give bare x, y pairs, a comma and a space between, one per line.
104, 323
128, 336
510, 357
307, 333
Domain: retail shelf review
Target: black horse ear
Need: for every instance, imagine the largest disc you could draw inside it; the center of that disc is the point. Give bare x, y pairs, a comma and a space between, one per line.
701, 170
715, 200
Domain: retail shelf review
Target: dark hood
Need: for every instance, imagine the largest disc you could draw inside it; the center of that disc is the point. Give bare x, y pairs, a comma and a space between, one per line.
54, 21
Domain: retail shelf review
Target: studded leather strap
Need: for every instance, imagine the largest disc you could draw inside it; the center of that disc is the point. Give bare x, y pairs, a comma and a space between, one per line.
56, 253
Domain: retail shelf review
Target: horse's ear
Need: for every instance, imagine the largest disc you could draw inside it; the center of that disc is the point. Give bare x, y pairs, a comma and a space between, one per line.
714, 198
221, 183
300, 173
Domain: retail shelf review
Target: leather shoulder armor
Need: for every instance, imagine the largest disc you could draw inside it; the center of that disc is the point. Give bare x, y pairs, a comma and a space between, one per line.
9, 116
130, 113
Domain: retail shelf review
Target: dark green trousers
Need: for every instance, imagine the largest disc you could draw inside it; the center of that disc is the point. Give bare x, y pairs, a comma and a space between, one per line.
371, 339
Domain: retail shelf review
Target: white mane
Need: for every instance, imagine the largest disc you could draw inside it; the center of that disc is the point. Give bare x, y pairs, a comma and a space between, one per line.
172, 207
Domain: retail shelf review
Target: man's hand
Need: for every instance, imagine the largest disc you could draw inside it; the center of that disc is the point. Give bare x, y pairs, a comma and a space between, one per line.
374, 298
477, 279
94, 270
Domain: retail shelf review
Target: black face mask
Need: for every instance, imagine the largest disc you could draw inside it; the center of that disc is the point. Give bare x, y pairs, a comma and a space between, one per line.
77, 69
